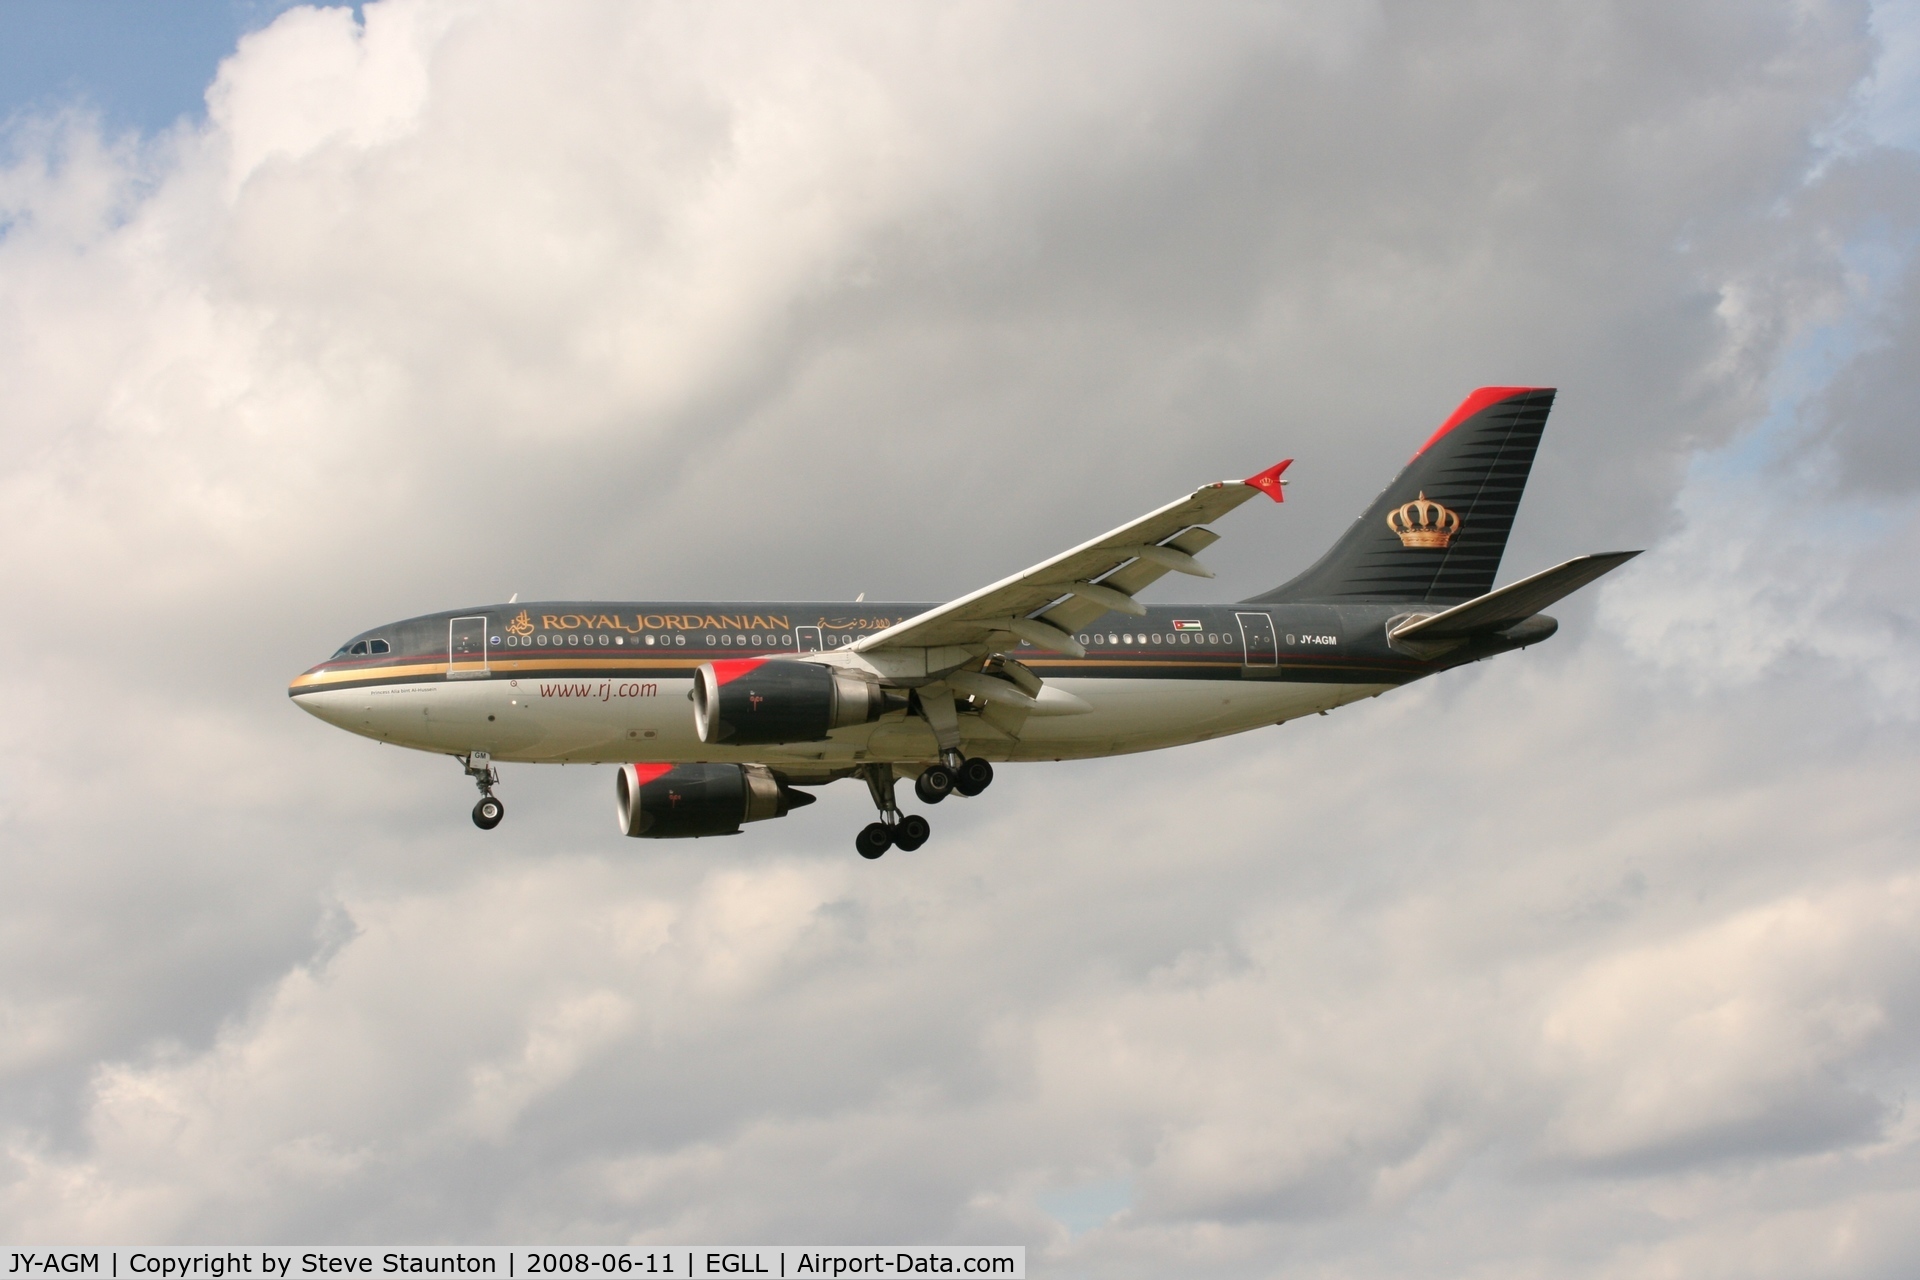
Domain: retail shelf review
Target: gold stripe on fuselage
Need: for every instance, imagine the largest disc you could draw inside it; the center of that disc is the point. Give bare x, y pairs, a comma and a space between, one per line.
502, 666
576, 666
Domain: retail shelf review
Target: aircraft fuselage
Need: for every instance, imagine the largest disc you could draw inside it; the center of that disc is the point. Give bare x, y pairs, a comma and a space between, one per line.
604, 682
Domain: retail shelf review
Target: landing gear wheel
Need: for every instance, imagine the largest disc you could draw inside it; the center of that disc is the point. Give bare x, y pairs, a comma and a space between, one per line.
874, 839
487, 814
975, 776
934, 784
911, 833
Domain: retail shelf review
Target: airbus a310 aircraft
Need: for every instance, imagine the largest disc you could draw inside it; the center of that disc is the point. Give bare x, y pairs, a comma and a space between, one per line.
718, 714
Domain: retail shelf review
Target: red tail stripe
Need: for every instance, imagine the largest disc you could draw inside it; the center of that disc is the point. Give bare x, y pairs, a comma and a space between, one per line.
1473, 404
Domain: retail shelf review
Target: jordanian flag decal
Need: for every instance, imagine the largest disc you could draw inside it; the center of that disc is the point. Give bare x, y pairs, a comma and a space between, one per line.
1187, 624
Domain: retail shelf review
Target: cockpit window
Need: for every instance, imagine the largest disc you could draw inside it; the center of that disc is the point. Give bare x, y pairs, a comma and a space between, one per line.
360, 646
376, 646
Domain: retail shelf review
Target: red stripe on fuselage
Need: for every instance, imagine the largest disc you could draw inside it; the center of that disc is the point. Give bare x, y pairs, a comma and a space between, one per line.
1481, 399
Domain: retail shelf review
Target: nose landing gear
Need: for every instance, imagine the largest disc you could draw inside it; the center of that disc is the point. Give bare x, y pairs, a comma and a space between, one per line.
479, 767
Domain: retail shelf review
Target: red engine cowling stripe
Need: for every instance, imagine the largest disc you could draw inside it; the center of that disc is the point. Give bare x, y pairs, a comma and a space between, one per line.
645, 773
727, 670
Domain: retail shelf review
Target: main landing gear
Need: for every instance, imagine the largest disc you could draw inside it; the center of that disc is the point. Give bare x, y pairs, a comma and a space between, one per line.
895, 830
479, 767
968, 776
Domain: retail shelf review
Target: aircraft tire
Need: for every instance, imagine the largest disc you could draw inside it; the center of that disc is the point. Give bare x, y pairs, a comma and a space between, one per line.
874, 839
934, 784
487, 814
911, 833
975, 776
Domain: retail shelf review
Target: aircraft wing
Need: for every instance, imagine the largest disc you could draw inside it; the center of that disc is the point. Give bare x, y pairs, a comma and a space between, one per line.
1513, 603
1042, 605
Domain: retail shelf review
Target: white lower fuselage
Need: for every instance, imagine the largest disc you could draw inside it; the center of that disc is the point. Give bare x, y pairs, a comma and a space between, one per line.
614, 720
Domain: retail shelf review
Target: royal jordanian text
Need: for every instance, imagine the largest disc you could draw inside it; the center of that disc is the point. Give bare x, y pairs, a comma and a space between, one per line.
680, 1261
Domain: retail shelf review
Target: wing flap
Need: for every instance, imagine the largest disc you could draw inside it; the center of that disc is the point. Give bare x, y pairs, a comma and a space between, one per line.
1075, 612
1513, 603
977, 618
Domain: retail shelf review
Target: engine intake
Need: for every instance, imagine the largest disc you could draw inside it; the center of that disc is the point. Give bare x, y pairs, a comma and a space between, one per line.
758, 701
667, 802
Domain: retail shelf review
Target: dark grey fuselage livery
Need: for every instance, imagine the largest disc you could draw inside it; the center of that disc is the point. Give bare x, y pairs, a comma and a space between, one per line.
718, 712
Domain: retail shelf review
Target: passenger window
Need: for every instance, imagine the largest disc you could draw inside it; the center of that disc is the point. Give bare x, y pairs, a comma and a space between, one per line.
378, 646
359, 648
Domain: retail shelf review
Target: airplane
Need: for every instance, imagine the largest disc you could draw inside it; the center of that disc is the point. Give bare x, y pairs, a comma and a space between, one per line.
719, 715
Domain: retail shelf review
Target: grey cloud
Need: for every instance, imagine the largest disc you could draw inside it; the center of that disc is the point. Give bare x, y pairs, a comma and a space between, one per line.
1870, 415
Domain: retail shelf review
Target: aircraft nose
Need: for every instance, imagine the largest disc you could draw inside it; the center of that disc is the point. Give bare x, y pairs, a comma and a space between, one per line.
305, 688
327, 709
334, 706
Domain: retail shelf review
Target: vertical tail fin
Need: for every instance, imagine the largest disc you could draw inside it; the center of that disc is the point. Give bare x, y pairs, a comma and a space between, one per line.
1436, 534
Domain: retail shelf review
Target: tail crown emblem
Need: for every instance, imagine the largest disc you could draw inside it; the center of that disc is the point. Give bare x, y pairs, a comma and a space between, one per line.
1424, 523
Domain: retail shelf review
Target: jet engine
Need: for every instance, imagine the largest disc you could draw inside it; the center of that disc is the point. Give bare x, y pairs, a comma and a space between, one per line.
755, 701
665, 802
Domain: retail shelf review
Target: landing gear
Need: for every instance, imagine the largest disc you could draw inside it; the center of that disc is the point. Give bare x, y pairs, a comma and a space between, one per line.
975, 776
479, 767
969, 777
894, 830
911, 832
934, 784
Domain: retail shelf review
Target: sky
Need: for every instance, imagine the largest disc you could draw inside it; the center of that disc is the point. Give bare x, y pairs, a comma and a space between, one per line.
1597, 960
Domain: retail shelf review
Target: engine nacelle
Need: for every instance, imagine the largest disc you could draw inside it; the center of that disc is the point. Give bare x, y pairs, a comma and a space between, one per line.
757, 701
666, 801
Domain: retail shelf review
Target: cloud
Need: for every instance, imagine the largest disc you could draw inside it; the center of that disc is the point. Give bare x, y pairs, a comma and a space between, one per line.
1736, 1028
1589, 960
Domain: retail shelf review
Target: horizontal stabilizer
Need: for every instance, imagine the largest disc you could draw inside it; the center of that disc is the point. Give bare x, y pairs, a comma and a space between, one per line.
1510, 604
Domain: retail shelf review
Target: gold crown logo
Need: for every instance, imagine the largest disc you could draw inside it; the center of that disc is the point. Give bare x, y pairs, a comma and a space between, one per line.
1424, 523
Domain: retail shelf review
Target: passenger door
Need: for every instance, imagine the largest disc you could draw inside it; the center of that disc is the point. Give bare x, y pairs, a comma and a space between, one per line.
1256, 639
467, 648
807, 640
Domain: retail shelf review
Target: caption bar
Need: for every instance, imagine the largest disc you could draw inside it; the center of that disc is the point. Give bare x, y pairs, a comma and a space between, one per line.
514, 1262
